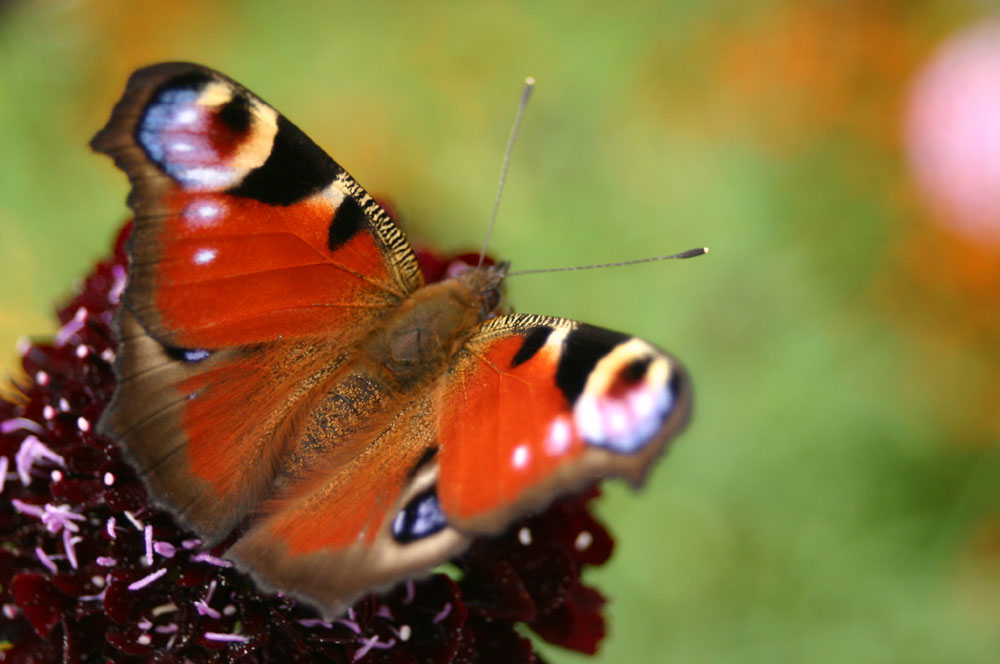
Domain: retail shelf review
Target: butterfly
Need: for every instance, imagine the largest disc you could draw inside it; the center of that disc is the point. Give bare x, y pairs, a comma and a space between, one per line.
289, 383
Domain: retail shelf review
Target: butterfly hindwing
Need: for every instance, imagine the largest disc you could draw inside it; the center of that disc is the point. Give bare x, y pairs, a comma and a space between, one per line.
356, 525
540, 405
209, 430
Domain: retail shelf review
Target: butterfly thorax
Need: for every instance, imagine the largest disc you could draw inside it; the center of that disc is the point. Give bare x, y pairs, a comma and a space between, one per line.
421, 337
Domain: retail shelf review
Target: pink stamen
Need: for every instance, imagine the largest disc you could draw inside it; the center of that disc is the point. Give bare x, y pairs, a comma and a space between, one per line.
15, 423
202, 605
28, 508
191, 544
166, 629
146, 580
110, 528
443, 613
165, 549
69, 544
99, 596
46, 560
349, 624
118, 285
135, 522
314, 622
106, 561
205, 610
59, 517
148, 535
384, 612
4, 465
72, 327
231, 638
411, 592
373, 642
204, 557
31, 452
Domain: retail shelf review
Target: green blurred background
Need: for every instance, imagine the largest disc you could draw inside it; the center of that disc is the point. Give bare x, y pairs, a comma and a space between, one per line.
836, 498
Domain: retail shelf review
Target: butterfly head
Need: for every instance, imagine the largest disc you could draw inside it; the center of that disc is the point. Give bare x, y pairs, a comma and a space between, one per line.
486, 281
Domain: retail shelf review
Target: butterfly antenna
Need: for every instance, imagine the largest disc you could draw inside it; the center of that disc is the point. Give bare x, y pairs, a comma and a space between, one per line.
690, 253
529, 85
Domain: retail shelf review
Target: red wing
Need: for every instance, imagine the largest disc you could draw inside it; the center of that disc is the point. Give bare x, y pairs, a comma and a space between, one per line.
245, 230
535, 405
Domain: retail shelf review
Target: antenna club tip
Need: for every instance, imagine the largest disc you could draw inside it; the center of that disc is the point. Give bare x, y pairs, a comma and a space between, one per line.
529, 81
704, 250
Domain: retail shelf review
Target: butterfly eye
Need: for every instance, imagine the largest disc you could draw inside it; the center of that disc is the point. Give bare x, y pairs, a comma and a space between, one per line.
422, 517
491, 300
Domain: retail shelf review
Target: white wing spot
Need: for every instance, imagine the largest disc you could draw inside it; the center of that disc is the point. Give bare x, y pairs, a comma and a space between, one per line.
521, 456
202, 214
207, 177
583, 541
205, 256
524, 536
560, 436
186, 116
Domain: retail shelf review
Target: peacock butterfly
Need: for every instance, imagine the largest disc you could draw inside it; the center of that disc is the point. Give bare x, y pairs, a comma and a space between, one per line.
286, 374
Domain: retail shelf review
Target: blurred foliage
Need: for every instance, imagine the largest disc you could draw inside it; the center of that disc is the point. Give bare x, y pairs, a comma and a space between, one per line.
837, 497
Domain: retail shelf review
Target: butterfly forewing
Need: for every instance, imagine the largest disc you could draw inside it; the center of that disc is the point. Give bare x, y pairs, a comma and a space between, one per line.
245, 230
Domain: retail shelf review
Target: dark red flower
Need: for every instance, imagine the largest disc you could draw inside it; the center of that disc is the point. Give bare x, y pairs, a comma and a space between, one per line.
88, 569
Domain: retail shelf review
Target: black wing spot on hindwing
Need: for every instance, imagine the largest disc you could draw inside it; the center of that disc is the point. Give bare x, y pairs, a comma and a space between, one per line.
295, 169
347, 221
582, 350
422, 517
534, 339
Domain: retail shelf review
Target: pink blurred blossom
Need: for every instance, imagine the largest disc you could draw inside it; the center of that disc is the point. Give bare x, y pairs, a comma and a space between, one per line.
953, 132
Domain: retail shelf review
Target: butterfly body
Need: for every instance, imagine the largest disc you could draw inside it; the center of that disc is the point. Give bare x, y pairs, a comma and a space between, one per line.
286, 373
